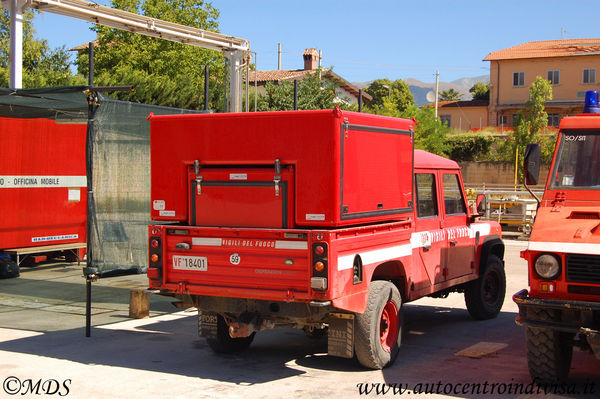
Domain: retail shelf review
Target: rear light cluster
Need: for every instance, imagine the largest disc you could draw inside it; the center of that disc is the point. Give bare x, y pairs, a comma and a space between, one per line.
156, 262
318, 282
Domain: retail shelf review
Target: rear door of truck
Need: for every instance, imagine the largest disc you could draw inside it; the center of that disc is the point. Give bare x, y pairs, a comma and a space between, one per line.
252, 196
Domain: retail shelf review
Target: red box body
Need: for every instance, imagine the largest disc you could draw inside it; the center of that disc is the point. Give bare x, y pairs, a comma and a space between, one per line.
336, 169
42, 183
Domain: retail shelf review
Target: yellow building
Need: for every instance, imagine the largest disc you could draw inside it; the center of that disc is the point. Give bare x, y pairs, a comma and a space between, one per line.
463, 115
570, 65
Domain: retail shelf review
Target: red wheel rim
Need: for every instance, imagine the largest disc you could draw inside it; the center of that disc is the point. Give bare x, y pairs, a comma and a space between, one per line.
388, 326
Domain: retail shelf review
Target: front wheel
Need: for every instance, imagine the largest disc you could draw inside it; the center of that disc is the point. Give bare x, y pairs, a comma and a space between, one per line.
484, 297
379, 328
223, 343
549, 352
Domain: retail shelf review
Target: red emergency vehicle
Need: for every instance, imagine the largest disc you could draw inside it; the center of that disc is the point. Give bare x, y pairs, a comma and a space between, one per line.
42, 189
562, 308
322, 220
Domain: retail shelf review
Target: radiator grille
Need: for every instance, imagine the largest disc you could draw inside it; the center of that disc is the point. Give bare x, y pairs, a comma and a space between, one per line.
583, 268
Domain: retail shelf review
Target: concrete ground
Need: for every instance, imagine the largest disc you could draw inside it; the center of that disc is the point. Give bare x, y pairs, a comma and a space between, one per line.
42, 340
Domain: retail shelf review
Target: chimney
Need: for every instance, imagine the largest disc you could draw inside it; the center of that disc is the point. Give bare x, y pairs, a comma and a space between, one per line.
311, 59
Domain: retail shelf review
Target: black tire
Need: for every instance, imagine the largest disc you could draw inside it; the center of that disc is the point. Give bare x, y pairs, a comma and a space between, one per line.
378, 332
549, 352
484, 297
9, 268
224, 343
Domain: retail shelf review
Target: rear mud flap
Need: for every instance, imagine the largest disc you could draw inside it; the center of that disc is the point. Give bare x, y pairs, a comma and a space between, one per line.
340, 341
207, 325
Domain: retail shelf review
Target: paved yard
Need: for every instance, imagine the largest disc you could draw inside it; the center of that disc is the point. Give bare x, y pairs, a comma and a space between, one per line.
42, 339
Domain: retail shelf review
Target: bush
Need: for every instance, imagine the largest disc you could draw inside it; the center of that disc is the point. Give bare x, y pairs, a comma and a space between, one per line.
469, 147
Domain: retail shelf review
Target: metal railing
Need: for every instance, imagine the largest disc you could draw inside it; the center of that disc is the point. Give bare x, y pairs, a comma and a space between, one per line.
508, 204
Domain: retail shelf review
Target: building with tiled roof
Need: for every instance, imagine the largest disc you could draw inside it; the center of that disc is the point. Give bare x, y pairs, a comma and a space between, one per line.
571, 66
345, 90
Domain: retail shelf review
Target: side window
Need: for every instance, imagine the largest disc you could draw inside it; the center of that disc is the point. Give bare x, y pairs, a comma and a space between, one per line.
554, 77
589, 76
453, 199
426, 195
518, 79
446, 120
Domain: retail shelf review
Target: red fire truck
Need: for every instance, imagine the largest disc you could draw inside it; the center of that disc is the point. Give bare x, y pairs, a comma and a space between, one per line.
326, 221
42, 192
562, 308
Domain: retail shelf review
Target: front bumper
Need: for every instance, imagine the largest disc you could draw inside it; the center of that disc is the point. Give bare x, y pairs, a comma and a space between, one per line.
569, 316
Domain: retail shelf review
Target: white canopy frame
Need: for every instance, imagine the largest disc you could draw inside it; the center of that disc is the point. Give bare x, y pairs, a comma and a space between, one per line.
236, 50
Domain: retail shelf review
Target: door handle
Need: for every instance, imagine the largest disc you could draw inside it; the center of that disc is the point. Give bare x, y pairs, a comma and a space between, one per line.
453, 243
426, 248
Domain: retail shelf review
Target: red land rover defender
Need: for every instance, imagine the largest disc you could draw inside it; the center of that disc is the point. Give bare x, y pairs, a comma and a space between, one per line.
326, 221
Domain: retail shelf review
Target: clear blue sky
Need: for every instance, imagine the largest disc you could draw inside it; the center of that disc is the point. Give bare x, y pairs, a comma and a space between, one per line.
365, 40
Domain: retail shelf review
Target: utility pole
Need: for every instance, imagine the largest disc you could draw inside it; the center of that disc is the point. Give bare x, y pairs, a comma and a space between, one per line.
319, 64
279, 56
437, 87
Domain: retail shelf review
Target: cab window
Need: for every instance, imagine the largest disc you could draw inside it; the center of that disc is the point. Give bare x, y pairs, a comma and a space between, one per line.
426, 195
453, 199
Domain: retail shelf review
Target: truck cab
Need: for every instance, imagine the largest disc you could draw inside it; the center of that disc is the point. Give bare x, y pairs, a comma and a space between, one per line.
327, 221
562, 307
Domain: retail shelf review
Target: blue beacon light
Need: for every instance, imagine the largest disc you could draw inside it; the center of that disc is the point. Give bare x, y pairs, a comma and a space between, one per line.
591, 102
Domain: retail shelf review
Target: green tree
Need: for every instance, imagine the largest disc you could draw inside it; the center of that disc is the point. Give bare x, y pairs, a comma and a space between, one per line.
480, 91
396, 92
533, 119
313, 93
449, 95
42, 66
430, 134
162, 72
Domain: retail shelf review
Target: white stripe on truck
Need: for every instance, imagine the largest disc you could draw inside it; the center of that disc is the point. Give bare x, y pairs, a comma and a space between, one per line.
279, 244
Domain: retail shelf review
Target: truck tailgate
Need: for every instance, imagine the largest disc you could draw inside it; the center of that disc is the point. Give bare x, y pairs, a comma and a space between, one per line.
251, 263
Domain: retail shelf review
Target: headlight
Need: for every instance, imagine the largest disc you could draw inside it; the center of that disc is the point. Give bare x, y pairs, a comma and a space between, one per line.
547, 266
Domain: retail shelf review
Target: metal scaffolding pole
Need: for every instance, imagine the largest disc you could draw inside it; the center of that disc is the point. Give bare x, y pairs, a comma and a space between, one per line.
235, 49
16, 8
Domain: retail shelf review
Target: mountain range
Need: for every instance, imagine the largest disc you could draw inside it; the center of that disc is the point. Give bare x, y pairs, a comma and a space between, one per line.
420, 89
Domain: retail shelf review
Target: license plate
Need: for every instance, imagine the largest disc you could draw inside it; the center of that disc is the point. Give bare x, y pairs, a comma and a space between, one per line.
198, 263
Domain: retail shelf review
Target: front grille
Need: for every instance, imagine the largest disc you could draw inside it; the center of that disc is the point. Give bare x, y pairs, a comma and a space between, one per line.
583, 268
583, 289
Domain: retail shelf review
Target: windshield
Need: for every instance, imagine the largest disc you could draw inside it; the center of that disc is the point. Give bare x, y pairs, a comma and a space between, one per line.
577, 164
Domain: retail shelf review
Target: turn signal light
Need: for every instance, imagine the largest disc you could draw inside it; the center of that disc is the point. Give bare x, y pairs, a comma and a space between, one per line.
319, 266
547, 287
154, 258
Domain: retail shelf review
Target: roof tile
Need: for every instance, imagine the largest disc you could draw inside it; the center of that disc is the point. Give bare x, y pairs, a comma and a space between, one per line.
547, 48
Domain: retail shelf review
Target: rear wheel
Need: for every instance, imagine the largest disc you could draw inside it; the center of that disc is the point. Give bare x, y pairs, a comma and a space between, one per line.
549, 352
379, 328
484, 297
223, 343
9, 268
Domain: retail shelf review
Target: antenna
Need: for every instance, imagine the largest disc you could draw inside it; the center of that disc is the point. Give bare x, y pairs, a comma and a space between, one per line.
430, 96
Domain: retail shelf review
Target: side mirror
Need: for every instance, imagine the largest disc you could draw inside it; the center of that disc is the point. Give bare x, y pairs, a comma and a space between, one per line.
531, 166
480, 204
